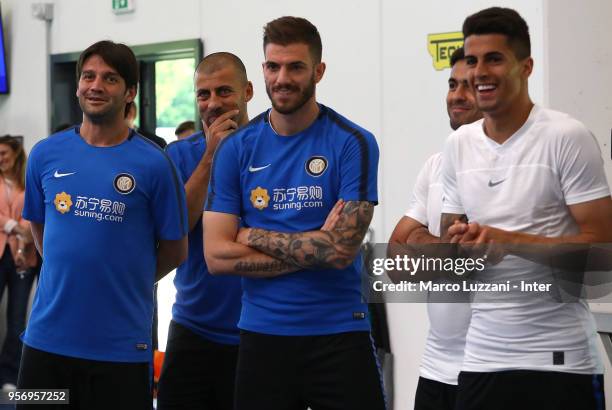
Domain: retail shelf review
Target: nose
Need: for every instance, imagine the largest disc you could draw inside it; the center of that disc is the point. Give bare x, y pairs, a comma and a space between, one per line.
479, 70
96, 84
283, 75
214, 101
460, 93
455, 98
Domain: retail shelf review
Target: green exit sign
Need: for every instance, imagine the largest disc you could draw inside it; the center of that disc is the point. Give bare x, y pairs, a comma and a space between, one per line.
123, 6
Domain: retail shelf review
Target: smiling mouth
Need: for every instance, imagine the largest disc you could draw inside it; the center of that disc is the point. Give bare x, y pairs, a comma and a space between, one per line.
284, 91
95, 100
484, 88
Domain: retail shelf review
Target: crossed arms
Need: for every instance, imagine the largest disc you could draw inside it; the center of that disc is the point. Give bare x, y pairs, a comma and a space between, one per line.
259, 252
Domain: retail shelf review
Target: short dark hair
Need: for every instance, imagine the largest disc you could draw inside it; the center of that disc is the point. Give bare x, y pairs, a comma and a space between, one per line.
290, 30
458, 55
184, 126
118, 56
498, 20
216, 61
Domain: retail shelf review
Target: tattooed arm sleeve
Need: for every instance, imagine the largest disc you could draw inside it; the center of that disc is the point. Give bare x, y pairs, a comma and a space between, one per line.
318, 249
225, 256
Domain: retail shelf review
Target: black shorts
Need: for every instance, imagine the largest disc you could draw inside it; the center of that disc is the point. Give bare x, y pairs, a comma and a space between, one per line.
435, 395
197, 373
93, 385
530, 389
330, 372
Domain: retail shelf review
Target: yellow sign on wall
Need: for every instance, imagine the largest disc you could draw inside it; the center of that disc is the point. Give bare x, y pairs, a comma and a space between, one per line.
441, 47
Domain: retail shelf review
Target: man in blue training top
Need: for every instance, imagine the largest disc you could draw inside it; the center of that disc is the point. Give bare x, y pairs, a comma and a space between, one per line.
109, 212
200, 362
305, 338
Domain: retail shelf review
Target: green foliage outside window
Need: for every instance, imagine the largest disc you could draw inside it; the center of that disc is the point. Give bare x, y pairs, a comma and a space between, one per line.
175, 98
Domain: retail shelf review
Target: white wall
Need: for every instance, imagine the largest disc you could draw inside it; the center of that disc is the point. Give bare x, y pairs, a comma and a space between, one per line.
579, 79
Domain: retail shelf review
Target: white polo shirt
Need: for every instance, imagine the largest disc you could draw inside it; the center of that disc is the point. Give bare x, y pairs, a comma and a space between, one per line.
526, 185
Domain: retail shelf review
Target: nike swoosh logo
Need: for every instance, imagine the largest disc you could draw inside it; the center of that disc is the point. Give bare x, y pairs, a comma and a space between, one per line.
492, 184
58, 175
255, 169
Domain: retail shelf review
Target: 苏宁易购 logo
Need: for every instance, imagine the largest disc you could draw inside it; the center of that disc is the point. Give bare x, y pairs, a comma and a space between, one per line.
63, 202
260, 198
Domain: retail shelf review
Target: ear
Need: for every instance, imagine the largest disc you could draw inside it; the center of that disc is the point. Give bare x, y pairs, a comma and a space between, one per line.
248, 93
130, 94
319, 71
527, 67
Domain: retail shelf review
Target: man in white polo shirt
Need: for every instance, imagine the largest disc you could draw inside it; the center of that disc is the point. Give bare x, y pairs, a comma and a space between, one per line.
527, 178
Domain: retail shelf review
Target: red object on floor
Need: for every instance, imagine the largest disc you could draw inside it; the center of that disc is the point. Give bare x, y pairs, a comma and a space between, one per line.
158, 361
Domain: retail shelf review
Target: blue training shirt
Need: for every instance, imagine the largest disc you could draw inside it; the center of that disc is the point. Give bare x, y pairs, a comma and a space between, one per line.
104, 209
207, 305
289, 184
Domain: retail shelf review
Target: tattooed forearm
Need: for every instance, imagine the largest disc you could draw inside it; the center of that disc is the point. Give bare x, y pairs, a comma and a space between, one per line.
270, 267
446, 220
319, 249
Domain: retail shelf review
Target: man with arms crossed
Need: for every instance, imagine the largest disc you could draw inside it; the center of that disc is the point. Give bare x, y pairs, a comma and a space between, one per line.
200, 362
448, 322
108, 216
524, 176
305, 338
